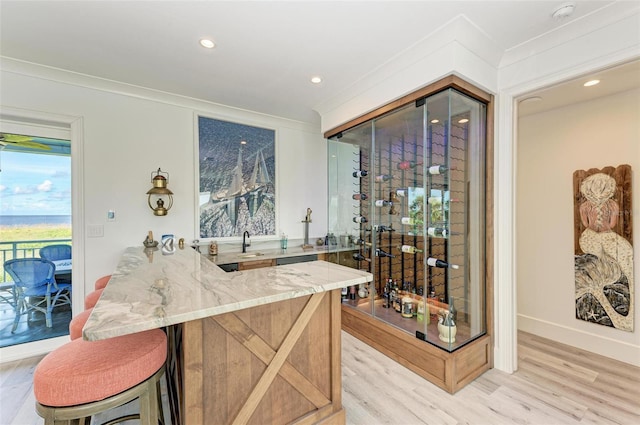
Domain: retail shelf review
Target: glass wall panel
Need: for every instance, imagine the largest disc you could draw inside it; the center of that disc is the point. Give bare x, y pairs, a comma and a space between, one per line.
407, 196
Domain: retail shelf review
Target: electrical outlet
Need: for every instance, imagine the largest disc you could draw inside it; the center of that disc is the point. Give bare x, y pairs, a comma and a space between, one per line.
95, 231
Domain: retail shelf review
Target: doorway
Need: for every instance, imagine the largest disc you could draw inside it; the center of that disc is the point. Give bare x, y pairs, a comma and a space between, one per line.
65, 128
35, 212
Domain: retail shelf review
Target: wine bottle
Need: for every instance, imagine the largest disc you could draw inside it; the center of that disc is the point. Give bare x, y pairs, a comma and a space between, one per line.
437, 169
359, 257
409, 221
434, 262
382, 228
360, 219
437, 232
386, 297
383, 178
392, 294
383, 253
359, 196
360, 173
441, 200
362, 242
352, 292
407, 165
409, 249
401, 192
382, 203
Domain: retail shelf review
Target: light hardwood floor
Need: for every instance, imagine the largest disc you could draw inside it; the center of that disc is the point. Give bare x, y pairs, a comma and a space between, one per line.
555, 384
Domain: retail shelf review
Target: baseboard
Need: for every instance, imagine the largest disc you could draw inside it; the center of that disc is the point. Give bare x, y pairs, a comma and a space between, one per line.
608, 347
31, 349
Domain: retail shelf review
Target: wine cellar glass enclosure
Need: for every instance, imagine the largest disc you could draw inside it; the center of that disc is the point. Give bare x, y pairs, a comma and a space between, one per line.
408, 198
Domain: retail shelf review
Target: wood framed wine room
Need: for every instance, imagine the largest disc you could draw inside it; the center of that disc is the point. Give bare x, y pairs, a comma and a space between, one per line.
411, 199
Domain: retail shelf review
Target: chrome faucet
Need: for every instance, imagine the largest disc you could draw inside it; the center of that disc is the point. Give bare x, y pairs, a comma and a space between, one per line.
245, 235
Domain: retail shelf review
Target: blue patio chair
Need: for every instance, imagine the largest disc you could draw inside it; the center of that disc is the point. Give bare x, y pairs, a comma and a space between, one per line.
56, 252
36, 287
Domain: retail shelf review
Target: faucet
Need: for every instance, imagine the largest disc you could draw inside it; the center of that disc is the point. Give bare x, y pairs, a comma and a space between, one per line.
245, 235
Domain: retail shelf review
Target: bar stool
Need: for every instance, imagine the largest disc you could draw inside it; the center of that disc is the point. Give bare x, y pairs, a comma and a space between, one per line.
77, 323
102, 282
91, 300
83, 378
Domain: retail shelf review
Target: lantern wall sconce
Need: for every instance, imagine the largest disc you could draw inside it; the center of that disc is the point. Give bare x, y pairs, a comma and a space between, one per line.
158, 191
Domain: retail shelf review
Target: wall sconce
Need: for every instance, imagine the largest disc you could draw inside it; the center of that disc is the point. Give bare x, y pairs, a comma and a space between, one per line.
158, 191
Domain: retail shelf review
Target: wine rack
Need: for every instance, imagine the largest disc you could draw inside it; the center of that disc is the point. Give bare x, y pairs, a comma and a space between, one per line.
415, 179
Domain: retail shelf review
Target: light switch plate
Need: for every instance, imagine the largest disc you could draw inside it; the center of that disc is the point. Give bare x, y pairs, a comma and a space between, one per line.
95, 231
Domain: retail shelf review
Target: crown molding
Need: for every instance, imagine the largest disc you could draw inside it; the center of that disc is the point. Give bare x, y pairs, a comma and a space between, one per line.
58, 75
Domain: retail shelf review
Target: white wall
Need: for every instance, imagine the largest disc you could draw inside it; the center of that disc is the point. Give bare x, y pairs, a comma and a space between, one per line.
603, 39
458, 47
129, 132
597, 41
551, 146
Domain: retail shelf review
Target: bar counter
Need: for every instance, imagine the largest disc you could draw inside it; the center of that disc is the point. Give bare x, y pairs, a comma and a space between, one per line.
256, 346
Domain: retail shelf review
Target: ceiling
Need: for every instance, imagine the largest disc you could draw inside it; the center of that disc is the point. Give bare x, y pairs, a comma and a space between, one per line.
613, 80
266, 51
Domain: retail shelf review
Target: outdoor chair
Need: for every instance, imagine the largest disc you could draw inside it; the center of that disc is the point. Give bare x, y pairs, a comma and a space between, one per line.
56, 252
36, 287
60, 255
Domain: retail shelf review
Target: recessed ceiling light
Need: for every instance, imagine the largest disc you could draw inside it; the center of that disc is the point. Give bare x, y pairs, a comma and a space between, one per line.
463, 120
316, 80
435, 121
563, 11
591, 83
205, 42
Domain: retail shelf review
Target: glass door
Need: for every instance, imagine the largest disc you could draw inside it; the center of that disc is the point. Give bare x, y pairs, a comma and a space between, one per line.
35, 211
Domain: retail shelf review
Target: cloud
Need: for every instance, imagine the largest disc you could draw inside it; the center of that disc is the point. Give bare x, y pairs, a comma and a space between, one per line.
3, 188
18, 190
45, 186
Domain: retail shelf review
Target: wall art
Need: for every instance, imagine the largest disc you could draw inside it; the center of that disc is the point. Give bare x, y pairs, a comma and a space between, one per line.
236, 179
603, 244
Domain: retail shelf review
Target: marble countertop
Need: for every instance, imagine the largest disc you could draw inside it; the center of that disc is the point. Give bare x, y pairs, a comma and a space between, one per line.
149, 290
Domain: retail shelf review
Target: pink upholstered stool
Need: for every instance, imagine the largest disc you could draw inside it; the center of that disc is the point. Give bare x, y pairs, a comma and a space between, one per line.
83, 378
77, 323
91, 300
102, 282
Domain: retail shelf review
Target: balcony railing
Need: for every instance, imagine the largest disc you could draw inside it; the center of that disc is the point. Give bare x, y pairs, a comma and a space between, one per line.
23, 249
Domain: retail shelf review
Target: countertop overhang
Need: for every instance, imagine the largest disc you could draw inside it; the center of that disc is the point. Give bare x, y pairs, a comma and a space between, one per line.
149, 290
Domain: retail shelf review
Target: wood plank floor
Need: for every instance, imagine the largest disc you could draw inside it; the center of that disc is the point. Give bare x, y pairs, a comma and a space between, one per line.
555, 384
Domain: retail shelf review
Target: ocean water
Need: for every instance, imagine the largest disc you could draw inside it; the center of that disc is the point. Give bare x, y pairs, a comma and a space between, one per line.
34, 220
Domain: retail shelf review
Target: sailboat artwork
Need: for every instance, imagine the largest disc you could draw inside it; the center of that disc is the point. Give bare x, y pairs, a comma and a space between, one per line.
237, 179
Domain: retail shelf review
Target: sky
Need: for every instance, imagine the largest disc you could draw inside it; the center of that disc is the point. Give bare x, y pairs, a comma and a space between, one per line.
34, 184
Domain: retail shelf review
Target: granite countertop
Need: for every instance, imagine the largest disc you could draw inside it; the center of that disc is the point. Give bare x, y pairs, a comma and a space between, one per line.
149, 290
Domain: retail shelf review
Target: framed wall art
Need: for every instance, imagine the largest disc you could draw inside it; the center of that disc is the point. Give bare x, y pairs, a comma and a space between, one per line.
237, 179
603, 246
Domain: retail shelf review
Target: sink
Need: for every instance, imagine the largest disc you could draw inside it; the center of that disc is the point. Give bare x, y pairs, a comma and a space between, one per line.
251, 255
